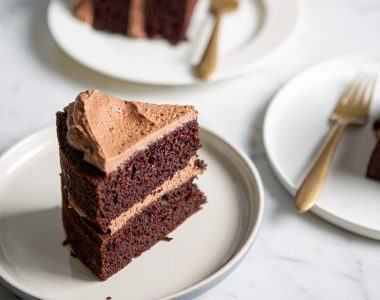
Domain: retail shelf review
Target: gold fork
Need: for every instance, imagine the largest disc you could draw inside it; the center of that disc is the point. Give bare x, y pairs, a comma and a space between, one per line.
208, 62
352, 110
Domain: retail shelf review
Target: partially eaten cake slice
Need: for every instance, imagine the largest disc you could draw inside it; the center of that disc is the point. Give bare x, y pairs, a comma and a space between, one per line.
168, 19
127, 176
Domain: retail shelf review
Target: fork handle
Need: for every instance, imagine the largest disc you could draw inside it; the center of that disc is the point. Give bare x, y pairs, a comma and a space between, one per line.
312, 185
207, 65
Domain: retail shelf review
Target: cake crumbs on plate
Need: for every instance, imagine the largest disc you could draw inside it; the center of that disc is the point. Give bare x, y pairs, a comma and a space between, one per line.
65, 242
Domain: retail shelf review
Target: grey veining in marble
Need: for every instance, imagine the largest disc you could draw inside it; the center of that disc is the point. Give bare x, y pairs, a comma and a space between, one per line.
294, 257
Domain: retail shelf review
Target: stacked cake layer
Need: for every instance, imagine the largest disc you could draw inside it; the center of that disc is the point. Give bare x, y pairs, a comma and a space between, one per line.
373, 170
127, 176
168, 19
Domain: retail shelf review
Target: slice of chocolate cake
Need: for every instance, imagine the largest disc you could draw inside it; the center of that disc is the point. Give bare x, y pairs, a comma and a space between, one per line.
373, 170
127, 173
168, 19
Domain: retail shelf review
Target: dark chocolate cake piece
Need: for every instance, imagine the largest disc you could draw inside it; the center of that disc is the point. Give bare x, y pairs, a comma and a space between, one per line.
168, 19
373, 170
106, 254
127, 176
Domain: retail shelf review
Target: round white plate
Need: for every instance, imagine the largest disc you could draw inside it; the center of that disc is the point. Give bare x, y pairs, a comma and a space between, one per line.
205, 249
295, 124
248, 35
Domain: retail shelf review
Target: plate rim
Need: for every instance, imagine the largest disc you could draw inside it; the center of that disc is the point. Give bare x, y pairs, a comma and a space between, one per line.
294, 26
204, 284
285, 182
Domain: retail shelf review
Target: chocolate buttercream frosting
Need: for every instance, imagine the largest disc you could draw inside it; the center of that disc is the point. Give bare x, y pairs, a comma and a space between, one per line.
136, 23
110, 130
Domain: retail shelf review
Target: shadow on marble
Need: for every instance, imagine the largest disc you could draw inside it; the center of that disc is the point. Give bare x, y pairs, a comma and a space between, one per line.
5, 292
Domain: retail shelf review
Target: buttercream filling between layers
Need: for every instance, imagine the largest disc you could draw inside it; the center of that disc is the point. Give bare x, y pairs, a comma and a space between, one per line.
179, 178
136, 19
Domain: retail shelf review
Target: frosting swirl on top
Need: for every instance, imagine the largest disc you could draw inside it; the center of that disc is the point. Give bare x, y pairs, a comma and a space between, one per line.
109, 130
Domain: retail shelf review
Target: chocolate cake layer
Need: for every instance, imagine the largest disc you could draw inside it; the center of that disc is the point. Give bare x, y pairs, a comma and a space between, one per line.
373, 170
111, 15
168, 18
103, 197
106, 254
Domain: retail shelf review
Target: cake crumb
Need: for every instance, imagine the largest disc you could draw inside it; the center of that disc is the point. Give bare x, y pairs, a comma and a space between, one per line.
167, 239
109, 298
65, 242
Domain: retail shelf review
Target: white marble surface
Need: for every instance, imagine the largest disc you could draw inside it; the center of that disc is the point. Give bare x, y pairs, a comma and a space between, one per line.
294, 257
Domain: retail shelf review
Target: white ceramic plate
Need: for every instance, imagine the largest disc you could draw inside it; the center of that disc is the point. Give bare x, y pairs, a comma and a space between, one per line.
248, 35
295, 124
206, 248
